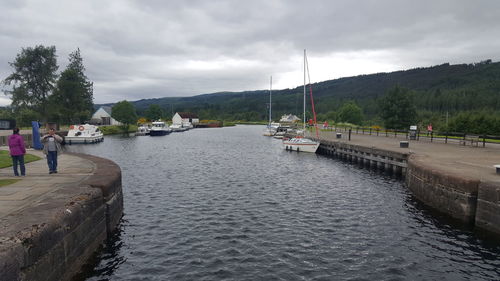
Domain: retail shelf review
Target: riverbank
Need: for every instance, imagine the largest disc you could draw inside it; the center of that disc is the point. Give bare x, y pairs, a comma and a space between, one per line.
51, 223
451, 178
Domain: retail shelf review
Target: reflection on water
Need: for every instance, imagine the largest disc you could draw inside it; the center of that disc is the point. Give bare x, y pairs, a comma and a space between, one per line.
228, 203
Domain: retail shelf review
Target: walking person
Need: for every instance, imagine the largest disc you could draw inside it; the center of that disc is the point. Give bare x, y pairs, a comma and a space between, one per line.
17, 151
51, 148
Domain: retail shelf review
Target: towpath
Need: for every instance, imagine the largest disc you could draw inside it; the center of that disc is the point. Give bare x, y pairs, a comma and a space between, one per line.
453, 158
38, 184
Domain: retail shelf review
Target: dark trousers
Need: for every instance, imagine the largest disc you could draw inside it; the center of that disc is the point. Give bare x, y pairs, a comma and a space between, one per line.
19, 159
52, 160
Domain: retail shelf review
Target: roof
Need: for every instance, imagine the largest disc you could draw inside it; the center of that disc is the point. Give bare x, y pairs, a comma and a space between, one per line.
107, 109
187, 115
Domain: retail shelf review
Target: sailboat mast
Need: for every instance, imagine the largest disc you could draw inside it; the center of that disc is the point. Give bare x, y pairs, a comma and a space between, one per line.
304, 114
270, 99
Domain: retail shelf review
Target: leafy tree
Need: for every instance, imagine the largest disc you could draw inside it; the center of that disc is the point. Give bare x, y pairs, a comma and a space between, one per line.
73, 95
33, 78
351, 113
397, 108
154, 112
124, 112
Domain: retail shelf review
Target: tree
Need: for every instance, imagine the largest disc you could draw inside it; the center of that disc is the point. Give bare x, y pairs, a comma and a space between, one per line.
33, 78
124, 112
397, 108
351, 113
154, 112
73, 95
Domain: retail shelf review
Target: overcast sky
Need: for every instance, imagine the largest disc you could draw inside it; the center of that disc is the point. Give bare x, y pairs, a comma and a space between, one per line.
150, 49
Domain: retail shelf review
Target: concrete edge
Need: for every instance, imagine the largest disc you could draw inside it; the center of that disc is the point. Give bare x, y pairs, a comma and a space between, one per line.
54, 237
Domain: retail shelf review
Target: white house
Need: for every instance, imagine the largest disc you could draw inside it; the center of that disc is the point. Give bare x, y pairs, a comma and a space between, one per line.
289, 118
185, 118
103, 117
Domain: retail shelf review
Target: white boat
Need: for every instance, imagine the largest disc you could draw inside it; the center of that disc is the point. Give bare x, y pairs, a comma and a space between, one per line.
178, 128
300, 143
142, 130
84, 133
158, 128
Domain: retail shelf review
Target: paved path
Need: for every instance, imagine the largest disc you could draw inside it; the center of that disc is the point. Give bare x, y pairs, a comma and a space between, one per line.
475, 162
38, 183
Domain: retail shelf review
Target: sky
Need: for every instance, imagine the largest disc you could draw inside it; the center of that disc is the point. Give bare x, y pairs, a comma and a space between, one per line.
151, 49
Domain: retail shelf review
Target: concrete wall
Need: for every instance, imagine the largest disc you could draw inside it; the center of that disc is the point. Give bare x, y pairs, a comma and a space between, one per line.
52, 239
459, 196
451, 194
488, 207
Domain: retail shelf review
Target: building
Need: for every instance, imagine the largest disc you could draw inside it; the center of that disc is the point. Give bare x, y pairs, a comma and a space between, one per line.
289, 118
103, 117
185, 118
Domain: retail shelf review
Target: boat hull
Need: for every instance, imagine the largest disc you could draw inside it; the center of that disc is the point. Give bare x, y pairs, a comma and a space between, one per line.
155, 133
84, 140
301, 147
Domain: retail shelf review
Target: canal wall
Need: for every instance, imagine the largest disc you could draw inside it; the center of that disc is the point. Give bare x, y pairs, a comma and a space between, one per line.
54, 237
460, 196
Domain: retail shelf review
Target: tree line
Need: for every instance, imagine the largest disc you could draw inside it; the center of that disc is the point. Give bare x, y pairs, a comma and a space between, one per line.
453, 98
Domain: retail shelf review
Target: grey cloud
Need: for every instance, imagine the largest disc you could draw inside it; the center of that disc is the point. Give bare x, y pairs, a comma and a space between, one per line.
137, 49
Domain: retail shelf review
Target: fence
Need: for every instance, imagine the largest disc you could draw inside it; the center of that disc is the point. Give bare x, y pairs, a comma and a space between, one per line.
430, 136
28, 140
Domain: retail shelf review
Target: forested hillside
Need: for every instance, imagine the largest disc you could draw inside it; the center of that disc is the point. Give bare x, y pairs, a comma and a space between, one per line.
436, 91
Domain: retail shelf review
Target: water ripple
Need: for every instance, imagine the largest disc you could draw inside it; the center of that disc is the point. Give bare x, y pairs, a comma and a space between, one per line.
229, 204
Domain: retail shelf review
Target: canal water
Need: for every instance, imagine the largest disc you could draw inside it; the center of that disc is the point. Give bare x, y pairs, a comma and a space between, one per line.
230, 204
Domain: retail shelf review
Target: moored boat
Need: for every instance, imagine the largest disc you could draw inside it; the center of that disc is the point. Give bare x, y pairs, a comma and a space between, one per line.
84, 133
158, 128
142, 130
300, 143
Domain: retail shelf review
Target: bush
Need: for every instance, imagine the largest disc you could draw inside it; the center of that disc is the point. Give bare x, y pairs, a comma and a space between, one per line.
116, 129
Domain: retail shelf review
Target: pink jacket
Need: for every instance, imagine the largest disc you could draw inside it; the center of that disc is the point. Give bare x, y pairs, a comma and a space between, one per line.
16, 145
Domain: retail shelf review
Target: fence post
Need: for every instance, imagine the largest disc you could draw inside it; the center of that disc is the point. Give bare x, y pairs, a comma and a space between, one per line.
378, 131
386, 133
418, 134
349, 134
484, 140
432, 134
370, 131
446, 138
406, 134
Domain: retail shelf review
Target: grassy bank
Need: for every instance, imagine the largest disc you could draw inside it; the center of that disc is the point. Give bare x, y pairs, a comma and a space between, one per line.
6, 160
115, 130
5, 182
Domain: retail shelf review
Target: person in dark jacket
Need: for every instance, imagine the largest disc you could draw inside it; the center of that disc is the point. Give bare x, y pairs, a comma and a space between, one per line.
17, 151
51, 148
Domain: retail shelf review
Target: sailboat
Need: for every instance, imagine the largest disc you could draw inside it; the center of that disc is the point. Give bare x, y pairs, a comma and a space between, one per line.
301, 143
271, 127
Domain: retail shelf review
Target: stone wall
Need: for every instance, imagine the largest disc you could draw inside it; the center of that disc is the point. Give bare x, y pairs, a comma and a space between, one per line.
451, 194
488, 207
53, 238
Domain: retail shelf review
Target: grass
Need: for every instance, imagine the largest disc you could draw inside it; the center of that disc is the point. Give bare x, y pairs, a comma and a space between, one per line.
6, 160
7, 182
114, 129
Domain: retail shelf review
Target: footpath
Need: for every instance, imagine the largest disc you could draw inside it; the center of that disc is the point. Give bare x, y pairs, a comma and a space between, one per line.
51, 224
460, 160
38, 184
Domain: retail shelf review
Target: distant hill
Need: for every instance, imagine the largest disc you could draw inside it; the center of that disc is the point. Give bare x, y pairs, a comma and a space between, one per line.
440, 88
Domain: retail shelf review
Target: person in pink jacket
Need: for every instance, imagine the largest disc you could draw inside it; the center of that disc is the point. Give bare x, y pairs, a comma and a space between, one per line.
17, 151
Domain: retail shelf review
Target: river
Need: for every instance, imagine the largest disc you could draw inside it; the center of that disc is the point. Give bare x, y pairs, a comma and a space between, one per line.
230, 204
